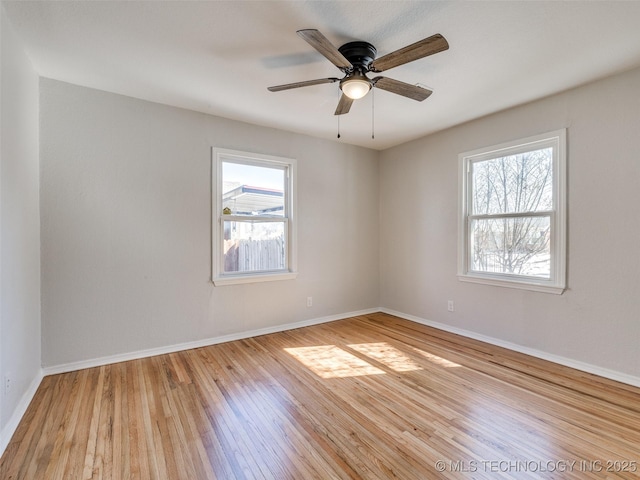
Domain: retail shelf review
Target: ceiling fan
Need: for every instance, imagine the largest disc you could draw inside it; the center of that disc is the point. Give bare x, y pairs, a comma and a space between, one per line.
356, 59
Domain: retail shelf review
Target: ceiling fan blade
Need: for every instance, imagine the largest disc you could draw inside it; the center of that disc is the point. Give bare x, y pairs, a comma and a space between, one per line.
428, 46
401, 88
307, 83
344, 105
318, 41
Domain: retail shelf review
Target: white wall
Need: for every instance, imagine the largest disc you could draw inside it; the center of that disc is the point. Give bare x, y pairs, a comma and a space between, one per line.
596, 321
125, 209
19, 231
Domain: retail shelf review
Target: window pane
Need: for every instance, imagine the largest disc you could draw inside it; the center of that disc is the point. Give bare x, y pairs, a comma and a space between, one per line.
513, 184
516, 246
254, 246
253, 190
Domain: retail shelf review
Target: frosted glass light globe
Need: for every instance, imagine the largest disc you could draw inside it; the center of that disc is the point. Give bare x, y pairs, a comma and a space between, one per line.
356, 87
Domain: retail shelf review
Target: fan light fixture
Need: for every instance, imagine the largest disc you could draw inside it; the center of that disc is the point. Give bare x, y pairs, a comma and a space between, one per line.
356, 59
356, 86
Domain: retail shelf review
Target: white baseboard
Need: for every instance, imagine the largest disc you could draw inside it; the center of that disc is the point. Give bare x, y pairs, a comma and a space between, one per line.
567, 362
97, 362
11, 426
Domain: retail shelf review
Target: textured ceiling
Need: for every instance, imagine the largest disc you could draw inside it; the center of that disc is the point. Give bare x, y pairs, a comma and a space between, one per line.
220, 57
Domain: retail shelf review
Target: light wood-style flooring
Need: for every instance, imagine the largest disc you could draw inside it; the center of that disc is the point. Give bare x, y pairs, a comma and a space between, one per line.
372, 397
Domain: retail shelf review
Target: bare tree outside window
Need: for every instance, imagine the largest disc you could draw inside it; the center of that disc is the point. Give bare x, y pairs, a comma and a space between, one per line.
510, 221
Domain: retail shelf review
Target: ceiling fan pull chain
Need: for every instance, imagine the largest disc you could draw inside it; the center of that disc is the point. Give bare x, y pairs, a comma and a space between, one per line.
373, 96
356, 59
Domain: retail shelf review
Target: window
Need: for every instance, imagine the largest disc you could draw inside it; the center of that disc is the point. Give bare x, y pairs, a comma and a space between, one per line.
253, 224
512, 216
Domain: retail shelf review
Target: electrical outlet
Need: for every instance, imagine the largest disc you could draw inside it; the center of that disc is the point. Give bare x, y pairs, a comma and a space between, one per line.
450, 305
8, 383
309, 301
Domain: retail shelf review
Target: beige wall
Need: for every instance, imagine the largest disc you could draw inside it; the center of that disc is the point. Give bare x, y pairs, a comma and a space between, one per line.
126, 205
19, 232
596, 321
126, 229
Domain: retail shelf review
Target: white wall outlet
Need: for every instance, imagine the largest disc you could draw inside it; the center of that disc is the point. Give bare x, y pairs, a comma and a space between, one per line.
309, 301
7, 383
450, 305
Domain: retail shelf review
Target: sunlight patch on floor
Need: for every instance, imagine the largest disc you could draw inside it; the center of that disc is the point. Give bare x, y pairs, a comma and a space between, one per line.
387, 355
329, 361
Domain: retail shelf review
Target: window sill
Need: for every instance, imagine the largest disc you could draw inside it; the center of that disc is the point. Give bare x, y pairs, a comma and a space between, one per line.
533, 286
254, 278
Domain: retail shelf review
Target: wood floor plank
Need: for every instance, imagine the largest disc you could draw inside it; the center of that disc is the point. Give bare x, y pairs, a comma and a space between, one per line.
370, 397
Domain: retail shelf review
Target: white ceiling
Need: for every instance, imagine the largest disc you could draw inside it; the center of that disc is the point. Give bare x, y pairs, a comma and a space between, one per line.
219, 57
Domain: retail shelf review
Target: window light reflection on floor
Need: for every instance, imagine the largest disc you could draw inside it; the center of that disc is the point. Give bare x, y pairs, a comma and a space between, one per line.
387, 355
329, 361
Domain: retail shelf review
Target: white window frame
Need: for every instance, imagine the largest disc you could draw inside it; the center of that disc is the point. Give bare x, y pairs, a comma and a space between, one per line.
557, 282
219, 277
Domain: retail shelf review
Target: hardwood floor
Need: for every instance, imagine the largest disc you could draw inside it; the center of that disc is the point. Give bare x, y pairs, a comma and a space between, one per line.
372, 397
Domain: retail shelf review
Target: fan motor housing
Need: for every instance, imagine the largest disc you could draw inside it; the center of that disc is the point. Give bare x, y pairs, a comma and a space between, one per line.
360, 54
